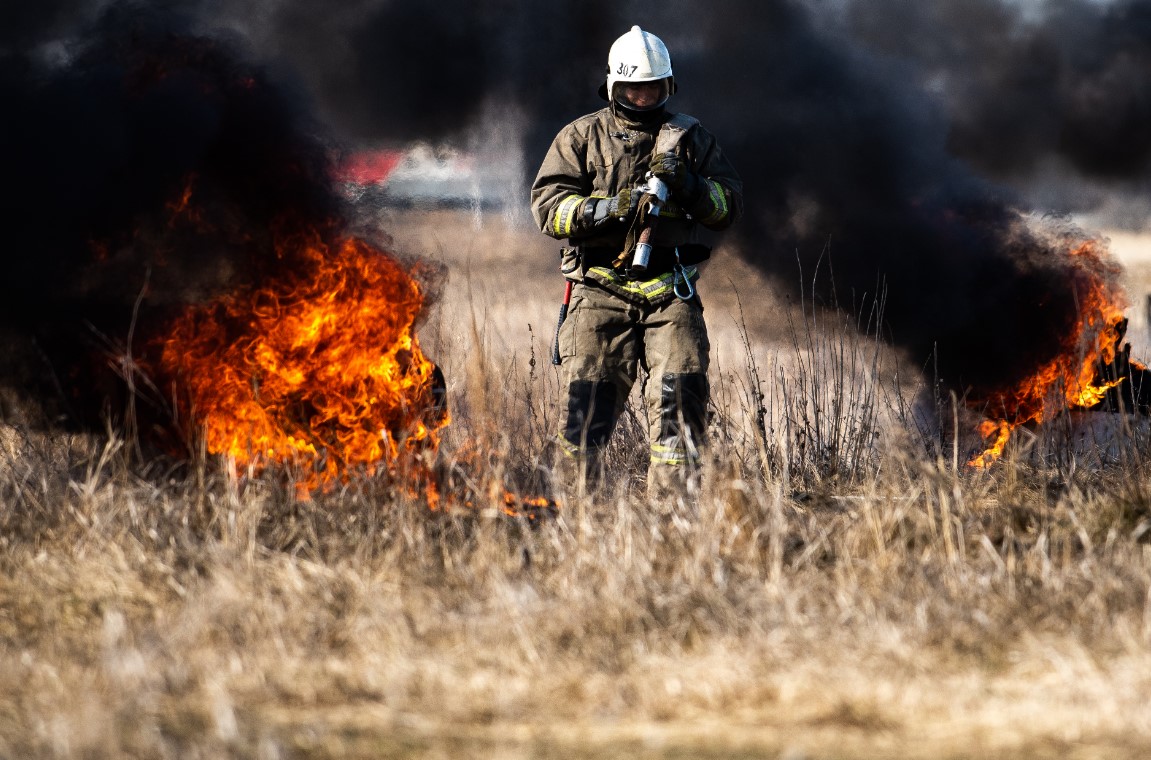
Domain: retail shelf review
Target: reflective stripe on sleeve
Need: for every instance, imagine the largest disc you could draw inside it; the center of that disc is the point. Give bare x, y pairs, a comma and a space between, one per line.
717, 196
564, 218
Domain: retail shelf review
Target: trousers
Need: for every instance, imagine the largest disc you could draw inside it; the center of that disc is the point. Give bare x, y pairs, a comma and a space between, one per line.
604, 343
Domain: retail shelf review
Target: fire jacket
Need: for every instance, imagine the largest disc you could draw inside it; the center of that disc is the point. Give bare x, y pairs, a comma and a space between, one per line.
600, 154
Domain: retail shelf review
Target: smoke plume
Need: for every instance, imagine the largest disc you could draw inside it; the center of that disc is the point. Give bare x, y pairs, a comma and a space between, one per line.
1071, 80
866, 133
146, 164
845, 159
855, 147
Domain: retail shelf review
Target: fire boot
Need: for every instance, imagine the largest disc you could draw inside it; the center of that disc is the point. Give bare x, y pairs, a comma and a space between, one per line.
591, 416
673, 477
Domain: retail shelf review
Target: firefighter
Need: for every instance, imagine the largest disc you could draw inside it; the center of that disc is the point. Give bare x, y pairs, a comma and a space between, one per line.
594, 189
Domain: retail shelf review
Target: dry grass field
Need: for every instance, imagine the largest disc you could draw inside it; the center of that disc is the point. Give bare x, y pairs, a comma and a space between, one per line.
840, 590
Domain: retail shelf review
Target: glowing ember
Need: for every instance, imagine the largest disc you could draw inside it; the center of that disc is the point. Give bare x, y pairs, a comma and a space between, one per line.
319, 369
532, 508
1071, 379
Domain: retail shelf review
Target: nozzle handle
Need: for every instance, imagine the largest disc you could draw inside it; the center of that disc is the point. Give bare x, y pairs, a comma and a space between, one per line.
556, 360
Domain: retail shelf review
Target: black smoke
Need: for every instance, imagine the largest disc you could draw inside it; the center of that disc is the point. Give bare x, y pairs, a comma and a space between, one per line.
1021, 84
386, 71
25, 24
846, 159
856, 154
148, 167
1068, 80
865, 131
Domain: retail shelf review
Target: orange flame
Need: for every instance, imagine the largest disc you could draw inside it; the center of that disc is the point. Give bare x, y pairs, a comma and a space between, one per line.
319, 369
1072, 378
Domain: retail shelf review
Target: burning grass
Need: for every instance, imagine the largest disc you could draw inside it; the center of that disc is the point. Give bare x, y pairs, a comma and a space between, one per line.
319, 368
850, 596
1072, 378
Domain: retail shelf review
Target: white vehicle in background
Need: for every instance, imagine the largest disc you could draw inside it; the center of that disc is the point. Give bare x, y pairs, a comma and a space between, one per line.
423, 176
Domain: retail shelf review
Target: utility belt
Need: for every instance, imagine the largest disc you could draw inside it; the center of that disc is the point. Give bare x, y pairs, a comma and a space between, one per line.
663, 258
665, 278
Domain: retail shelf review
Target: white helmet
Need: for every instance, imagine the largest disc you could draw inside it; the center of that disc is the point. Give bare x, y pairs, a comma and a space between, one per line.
637, 56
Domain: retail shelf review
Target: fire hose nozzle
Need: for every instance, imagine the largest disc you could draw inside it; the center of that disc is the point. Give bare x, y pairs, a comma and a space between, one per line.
658, 191
655, 187
640, 258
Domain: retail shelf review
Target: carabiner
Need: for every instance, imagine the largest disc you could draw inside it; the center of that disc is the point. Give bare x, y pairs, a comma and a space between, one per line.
680, 275
688, 291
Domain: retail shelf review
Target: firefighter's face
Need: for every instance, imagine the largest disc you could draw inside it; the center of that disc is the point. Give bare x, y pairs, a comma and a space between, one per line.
642, 95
